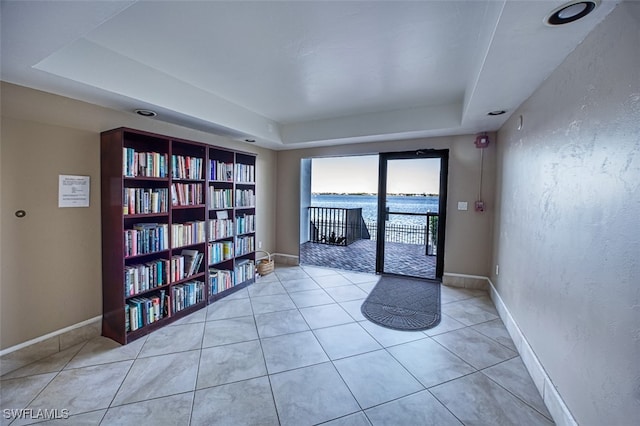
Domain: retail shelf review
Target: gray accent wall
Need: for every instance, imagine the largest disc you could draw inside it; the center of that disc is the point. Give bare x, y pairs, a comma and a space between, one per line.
468, 233
567, 223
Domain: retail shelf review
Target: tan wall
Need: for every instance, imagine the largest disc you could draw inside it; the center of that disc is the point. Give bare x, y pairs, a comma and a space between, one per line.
51, 259
468, 234
568, 223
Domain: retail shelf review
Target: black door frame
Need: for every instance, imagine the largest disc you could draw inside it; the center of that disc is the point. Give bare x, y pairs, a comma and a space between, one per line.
443, 155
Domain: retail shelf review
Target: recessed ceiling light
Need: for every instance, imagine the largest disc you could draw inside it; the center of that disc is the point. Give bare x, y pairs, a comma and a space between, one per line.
571, 12
146, 112
497, 112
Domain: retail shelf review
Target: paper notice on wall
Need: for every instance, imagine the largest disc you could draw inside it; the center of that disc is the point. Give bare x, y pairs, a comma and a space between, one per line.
73, 191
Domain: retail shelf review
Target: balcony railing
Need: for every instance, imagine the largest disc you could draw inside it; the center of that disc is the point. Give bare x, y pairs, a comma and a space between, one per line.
339, 226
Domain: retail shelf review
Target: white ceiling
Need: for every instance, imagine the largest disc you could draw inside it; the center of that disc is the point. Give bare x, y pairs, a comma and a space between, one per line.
294, 73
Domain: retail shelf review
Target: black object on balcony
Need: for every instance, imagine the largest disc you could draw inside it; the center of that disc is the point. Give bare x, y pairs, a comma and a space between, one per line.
337, 226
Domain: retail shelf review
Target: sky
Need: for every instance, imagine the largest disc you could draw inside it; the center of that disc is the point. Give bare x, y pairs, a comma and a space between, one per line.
360, 174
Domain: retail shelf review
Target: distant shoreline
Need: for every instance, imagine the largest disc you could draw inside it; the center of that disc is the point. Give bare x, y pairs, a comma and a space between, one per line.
373, 194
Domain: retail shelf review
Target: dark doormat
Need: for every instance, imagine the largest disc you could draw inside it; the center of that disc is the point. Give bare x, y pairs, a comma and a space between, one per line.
403, 303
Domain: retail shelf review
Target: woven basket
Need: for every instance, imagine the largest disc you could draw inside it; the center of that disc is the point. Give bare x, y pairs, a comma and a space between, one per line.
265, 266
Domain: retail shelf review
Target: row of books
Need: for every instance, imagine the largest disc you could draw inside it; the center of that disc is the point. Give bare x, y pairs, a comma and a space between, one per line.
245, 269
185, 264
141, 311
245, 173
147, 276
187, 294
219, 252
220, 228
183, 167
245, 224
220, 198
245, 245
186, 194
152, 237
154, 200
184, 234
245, 198
155, 164
144, 200
146, 238
143, 277
219, 170
147, 164
220, 280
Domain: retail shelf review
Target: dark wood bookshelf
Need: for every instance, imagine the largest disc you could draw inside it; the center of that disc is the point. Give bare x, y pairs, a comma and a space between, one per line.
145, 215
145, 179
153, 254
190, 206
122, 148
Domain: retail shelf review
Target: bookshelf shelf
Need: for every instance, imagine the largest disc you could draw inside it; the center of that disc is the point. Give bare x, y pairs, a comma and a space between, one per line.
146, 292
150, 254
145, 215
190, 278
220, 263
179, 196
186, 246
194, 206
145, 179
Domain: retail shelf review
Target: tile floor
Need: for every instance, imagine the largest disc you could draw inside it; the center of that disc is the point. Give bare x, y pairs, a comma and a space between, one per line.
292, 349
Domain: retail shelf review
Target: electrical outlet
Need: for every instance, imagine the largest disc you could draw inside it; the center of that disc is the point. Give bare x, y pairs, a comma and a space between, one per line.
259, 244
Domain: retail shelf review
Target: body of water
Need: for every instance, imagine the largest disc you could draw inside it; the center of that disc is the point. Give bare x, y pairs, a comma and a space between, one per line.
369, 205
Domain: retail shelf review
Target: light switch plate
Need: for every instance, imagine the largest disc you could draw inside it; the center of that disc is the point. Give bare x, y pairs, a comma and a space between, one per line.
463, 205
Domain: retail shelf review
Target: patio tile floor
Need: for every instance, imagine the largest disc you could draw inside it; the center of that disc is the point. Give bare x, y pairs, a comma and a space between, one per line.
360, 256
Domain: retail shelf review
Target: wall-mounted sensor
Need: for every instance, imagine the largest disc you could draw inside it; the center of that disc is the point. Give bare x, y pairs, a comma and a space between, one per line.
482, 141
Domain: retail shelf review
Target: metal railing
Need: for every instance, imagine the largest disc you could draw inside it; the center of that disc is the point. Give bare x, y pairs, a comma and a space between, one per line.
339, 226
426, 235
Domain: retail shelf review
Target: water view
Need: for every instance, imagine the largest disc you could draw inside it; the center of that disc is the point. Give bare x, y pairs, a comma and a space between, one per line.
369, 205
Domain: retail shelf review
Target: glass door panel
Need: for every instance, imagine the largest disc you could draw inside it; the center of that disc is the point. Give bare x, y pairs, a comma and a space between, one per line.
410, 203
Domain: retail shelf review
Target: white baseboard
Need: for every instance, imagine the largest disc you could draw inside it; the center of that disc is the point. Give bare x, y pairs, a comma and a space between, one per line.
41, 347
552, 399
50, 335
286, 259
465, 281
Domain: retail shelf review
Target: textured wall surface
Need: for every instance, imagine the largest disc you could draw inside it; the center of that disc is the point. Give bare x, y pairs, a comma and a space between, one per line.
567, 234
